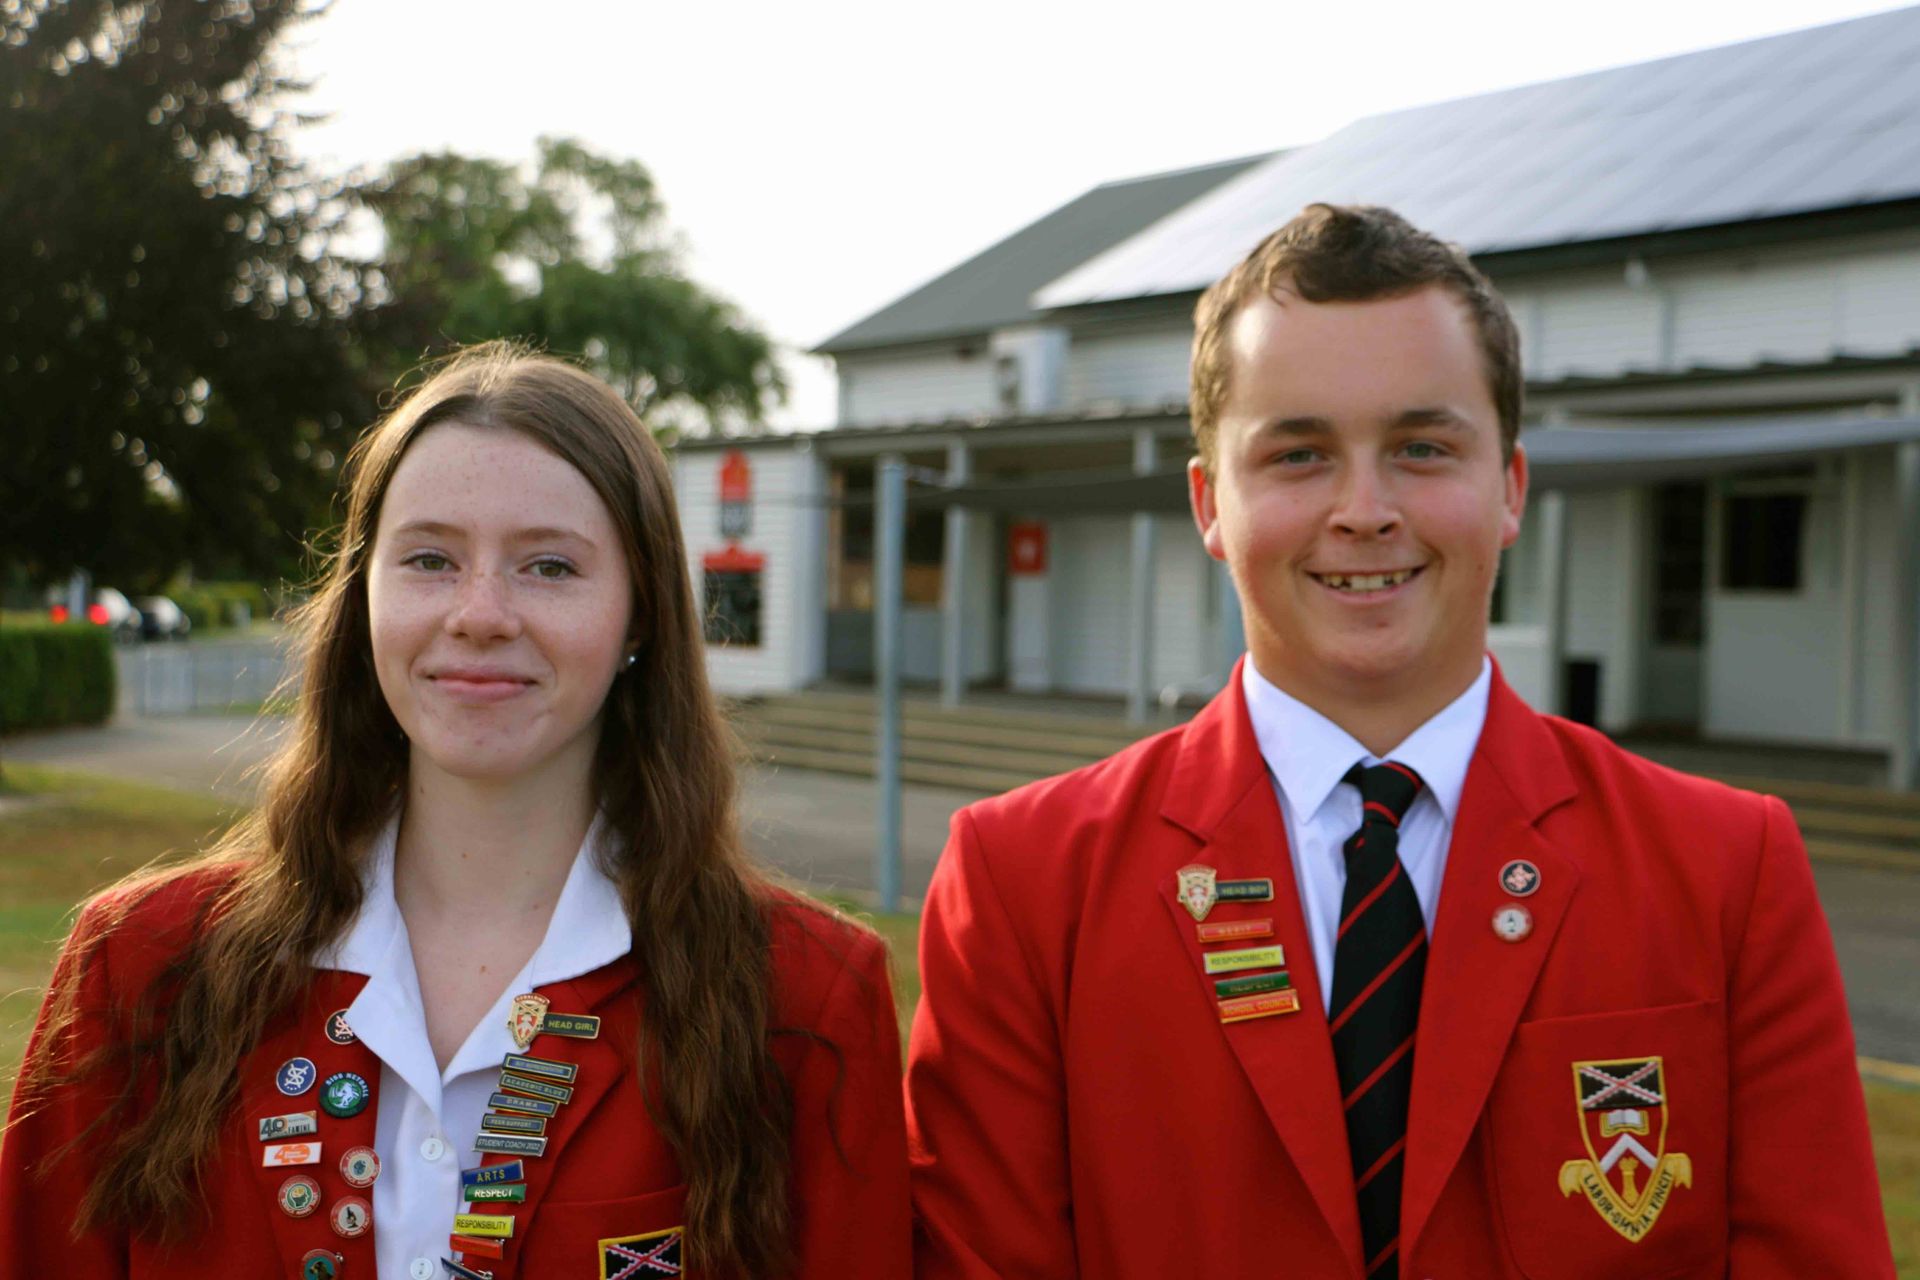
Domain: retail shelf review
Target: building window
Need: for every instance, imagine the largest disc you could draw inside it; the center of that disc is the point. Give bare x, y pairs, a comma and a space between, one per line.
1761, 547
733, 607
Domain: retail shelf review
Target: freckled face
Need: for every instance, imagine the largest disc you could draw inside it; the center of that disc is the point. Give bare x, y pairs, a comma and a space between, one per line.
500, 605
1359, 495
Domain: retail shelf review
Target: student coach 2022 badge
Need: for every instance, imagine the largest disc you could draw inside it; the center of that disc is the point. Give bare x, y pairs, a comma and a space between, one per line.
1628, 1175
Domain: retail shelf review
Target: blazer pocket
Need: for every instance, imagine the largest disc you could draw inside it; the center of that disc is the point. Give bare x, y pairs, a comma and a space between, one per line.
576, 1239
1608, 1142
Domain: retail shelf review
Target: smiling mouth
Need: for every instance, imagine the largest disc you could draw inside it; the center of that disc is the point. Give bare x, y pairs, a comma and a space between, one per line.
1360, 583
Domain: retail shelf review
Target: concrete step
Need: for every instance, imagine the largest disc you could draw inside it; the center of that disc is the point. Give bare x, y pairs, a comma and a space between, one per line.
1110, 726
986, 781
1021, 734
1009, 758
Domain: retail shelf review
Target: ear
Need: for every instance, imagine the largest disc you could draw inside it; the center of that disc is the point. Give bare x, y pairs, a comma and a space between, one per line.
1201, 496
1516, 496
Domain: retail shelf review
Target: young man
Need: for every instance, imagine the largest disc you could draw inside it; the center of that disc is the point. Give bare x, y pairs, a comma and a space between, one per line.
1370, 970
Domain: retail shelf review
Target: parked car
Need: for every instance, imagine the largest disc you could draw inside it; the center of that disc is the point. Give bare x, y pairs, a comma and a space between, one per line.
109, 609
162, 619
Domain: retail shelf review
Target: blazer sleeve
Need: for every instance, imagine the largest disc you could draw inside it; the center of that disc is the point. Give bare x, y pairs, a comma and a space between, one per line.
1803, 1195
42, 1178
849, 1148
986, 1100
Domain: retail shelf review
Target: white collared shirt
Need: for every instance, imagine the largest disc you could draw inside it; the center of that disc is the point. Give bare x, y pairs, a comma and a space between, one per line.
426, 1119
1308, 755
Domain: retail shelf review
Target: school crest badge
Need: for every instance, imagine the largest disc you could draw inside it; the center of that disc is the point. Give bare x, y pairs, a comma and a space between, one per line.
1198, 889
1629, 1175
524, 1019
638, 1257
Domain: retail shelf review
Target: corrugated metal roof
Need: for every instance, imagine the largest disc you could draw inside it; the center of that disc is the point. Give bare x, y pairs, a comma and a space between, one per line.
1827, 118
991, 289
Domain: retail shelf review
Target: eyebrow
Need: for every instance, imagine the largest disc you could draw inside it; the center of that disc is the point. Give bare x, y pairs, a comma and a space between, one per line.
1312, 425
538, 533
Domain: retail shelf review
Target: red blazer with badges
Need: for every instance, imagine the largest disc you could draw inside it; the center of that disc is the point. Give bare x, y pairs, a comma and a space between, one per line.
607, 1173
1077, 1107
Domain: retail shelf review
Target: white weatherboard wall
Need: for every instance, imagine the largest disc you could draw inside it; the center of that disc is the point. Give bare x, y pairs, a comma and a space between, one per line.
924, 386
789, 526
1145, 367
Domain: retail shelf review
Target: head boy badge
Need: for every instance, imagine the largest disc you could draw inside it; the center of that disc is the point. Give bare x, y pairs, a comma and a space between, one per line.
524, 1019
1629, 1174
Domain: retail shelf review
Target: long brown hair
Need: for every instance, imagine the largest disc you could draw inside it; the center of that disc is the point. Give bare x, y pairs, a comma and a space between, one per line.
663, 775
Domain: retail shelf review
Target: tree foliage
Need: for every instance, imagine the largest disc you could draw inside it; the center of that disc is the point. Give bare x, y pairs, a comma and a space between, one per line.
176, 379
576, 258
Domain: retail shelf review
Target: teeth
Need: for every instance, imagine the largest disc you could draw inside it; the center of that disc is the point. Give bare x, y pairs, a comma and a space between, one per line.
1365, 581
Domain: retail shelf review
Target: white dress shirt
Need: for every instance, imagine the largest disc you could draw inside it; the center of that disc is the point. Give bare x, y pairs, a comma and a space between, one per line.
1308, 755
426, 1119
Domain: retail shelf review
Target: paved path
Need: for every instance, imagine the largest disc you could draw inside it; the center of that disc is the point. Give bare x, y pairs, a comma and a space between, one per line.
818, 828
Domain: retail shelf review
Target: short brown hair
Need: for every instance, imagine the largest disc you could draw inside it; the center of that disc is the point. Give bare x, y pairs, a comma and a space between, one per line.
1351, 253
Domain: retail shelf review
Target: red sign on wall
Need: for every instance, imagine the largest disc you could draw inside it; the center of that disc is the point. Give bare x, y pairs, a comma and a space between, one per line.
1027, 547
736, 495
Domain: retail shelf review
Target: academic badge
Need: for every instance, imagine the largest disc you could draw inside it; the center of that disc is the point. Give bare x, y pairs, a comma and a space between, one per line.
1520, 877
345, 1094
360, 1166
299, 1196
1197, 890
524, 1019
351, 1216
1628, 1175
634, 1257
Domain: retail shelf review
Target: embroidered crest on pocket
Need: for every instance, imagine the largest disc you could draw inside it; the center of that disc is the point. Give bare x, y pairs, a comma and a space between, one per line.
639, 1257
1629, 1175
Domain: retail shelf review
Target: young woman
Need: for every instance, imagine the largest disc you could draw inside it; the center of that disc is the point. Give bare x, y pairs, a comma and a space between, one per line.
486, 984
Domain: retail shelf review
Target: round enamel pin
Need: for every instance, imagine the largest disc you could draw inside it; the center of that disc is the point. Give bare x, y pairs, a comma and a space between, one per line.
1512, 922
319, 1264
344, 1094
299, 1196
337, 1029
296, 1076
351, 1216
1520, 878
360, 1166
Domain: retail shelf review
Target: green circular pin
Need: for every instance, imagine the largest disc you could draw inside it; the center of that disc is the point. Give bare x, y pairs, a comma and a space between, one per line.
345, 1094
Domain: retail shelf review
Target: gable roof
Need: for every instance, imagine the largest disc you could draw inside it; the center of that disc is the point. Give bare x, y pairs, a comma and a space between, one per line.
1814, 120
991, 289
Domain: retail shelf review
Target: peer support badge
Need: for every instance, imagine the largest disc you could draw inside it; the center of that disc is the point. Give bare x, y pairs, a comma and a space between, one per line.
1629, 1175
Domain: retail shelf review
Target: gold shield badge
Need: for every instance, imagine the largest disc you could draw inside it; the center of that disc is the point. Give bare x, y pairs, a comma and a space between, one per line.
1198, 890
523, 1020
1628, 1175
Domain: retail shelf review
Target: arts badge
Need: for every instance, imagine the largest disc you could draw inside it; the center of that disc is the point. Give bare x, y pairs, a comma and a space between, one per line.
1628, 1175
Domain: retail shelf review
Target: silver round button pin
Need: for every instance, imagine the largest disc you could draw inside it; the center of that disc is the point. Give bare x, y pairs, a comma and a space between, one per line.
1512, 922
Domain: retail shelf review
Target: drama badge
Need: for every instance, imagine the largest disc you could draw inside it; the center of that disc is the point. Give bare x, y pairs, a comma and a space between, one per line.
1197, 890
1629, 1175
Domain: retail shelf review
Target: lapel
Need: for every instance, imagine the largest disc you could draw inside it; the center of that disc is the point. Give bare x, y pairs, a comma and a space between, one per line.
1220, 791
304, 1036
1477, 984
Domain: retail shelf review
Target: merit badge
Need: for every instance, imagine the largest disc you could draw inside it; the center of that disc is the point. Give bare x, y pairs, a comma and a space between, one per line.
537, 1088
1261, 1006
1197, 890
630, 1257
1245, 958
531, 1106
360, 1166
574, 1026
1512, 922
299, 1196
294, 1125
564, 1072
351, 1216
1246, 890
1252, 984
319, 1264
345, 1094
289, 1153
491, 1174
337, 1029
509, 1145
490, 1226
1519, 877
507, 1192
478, 1246
1628, 1175
1235, 930
296, 1076
523, 1020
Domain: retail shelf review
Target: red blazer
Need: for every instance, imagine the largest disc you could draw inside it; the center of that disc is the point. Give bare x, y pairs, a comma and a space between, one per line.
607, 1172
1076, 1106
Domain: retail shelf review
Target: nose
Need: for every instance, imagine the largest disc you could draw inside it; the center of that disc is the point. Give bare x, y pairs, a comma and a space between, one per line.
482, 609
1364, 506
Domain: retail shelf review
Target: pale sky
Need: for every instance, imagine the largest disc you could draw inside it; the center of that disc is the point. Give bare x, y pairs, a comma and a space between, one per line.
821, 160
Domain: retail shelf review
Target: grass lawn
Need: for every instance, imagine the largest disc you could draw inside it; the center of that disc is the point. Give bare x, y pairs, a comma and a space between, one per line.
63, 835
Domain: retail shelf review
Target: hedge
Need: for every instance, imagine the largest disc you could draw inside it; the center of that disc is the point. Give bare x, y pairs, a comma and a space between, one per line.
55, 675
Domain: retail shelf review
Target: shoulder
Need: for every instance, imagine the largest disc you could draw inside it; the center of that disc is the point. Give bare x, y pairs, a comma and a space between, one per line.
1096, 801
1605, 772
139, 926
822, 960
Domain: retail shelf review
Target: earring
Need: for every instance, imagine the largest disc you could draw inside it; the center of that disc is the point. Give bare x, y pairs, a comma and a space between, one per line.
632, 659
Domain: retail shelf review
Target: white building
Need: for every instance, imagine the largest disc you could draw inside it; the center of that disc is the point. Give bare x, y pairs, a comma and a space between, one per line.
1714, 261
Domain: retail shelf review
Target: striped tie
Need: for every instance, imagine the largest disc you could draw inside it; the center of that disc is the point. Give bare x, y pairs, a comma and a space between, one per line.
1379, 962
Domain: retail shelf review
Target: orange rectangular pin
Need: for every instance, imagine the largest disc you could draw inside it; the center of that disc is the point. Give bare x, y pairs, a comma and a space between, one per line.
1266, 1005
1236, 930
474, 1247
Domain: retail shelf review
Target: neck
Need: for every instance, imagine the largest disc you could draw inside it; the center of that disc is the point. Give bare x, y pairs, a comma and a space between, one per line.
1379, 717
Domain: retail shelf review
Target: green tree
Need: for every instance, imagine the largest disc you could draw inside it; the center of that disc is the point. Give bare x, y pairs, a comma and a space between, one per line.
176, 376
578, 259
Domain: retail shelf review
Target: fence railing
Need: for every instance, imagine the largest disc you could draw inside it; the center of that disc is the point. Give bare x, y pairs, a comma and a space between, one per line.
216, 675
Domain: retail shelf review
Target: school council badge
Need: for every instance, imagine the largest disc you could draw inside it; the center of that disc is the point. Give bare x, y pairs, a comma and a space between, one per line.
1629, 1175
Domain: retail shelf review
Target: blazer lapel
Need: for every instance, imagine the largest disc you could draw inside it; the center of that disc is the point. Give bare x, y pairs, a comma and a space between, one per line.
1220, 791
1476, 982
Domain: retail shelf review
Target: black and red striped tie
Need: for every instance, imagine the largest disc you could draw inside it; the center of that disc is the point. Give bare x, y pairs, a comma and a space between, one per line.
1379, 963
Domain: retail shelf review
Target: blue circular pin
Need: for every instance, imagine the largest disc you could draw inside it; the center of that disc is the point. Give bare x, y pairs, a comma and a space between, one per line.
1520, 878
296, 1076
